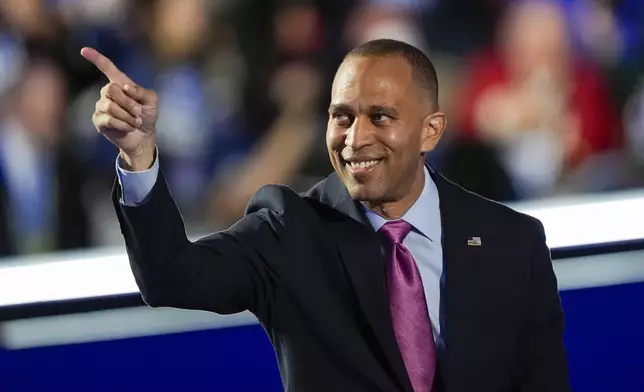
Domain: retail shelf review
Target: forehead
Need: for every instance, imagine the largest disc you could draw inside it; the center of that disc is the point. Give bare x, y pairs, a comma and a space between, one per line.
369, 80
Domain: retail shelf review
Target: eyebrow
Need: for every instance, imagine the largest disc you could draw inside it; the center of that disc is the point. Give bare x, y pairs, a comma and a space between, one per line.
387, 110
380, 109
339, 107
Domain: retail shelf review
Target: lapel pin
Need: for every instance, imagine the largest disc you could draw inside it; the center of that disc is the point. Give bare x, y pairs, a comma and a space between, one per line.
474, 241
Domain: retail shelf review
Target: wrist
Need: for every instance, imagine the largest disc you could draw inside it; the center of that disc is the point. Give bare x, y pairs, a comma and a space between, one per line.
139, 160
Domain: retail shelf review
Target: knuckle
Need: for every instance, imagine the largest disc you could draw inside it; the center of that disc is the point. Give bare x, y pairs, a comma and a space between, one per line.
112, 90
101, 105
104, 90
100, 121
153, 96
109, 122
110, 107
113, 123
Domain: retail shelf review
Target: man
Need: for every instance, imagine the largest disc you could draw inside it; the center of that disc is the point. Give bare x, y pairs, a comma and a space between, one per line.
383, 277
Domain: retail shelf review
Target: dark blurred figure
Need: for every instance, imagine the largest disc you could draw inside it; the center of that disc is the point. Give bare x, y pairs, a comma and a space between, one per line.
39, 30
282, 109
275, 33
635, 135
41, 203
460, 27
472, 163
476, 166
286, 151
196, 76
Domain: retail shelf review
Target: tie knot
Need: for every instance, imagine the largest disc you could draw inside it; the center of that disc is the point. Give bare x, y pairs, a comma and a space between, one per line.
396, 231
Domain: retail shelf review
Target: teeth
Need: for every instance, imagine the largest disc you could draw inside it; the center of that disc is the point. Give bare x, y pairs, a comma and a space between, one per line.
363, 164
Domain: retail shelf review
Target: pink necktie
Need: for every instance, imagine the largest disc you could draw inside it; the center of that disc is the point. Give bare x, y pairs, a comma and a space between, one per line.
408, 306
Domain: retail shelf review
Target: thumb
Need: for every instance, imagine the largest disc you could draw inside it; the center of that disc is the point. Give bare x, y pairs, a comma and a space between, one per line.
140, 94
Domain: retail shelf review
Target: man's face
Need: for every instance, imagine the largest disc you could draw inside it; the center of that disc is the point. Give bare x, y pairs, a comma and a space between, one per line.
379, 126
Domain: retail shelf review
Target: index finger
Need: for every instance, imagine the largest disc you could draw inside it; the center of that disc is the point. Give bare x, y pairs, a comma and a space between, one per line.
106, 66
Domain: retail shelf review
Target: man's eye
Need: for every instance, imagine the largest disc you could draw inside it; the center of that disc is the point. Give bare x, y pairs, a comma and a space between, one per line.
379, 118
341, 117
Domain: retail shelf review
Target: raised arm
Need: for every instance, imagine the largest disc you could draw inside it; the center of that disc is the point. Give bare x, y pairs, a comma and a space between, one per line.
226, 272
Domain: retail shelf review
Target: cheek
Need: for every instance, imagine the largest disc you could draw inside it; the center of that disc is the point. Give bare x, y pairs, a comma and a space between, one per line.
393, 138
333, 138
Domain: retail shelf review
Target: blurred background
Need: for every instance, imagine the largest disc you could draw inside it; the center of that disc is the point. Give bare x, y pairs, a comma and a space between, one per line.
545, 99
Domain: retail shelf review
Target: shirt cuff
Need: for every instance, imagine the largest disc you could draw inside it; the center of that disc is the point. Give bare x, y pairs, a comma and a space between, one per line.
136, 186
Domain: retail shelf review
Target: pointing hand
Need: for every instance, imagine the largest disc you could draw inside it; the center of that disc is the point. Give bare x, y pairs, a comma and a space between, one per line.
125, 114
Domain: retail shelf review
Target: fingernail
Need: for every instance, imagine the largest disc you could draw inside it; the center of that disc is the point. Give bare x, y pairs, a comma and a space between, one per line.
127, 87
137, 110
138, 121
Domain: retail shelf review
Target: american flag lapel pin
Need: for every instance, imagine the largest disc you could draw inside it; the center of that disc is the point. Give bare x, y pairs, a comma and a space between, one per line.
474, 241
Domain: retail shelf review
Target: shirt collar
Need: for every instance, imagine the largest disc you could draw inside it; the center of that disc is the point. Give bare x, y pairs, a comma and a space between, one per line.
422, 215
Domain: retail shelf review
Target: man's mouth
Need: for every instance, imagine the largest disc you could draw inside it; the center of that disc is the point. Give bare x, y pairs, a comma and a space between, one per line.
362, 166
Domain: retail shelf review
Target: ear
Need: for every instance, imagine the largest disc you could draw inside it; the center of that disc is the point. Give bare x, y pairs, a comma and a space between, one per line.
433, 126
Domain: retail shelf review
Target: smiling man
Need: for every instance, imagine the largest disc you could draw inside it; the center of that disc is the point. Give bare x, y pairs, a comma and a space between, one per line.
383, 277
383, 117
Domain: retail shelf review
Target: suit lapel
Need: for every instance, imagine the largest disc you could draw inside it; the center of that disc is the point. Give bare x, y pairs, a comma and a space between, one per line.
457, 226
364, 261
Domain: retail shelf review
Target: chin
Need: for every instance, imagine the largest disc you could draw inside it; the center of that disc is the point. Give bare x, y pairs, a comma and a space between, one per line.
363, 192
365, 187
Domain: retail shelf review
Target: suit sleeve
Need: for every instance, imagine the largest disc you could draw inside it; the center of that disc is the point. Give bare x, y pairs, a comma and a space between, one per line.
547, 363
226, 272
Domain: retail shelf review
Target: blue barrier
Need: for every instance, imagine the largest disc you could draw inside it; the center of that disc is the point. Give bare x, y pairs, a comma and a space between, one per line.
604, 337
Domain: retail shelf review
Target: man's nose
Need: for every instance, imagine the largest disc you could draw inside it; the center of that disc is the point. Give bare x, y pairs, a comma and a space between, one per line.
359, 134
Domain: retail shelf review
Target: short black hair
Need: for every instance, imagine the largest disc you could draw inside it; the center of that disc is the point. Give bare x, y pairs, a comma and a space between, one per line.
423, 70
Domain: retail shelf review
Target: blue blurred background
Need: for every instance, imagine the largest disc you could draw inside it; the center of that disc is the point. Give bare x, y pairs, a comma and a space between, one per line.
545, 101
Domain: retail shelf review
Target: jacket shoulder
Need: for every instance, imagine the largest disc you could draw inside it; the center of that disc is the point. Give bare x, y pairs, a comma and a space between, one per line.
318, 203
279, 199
